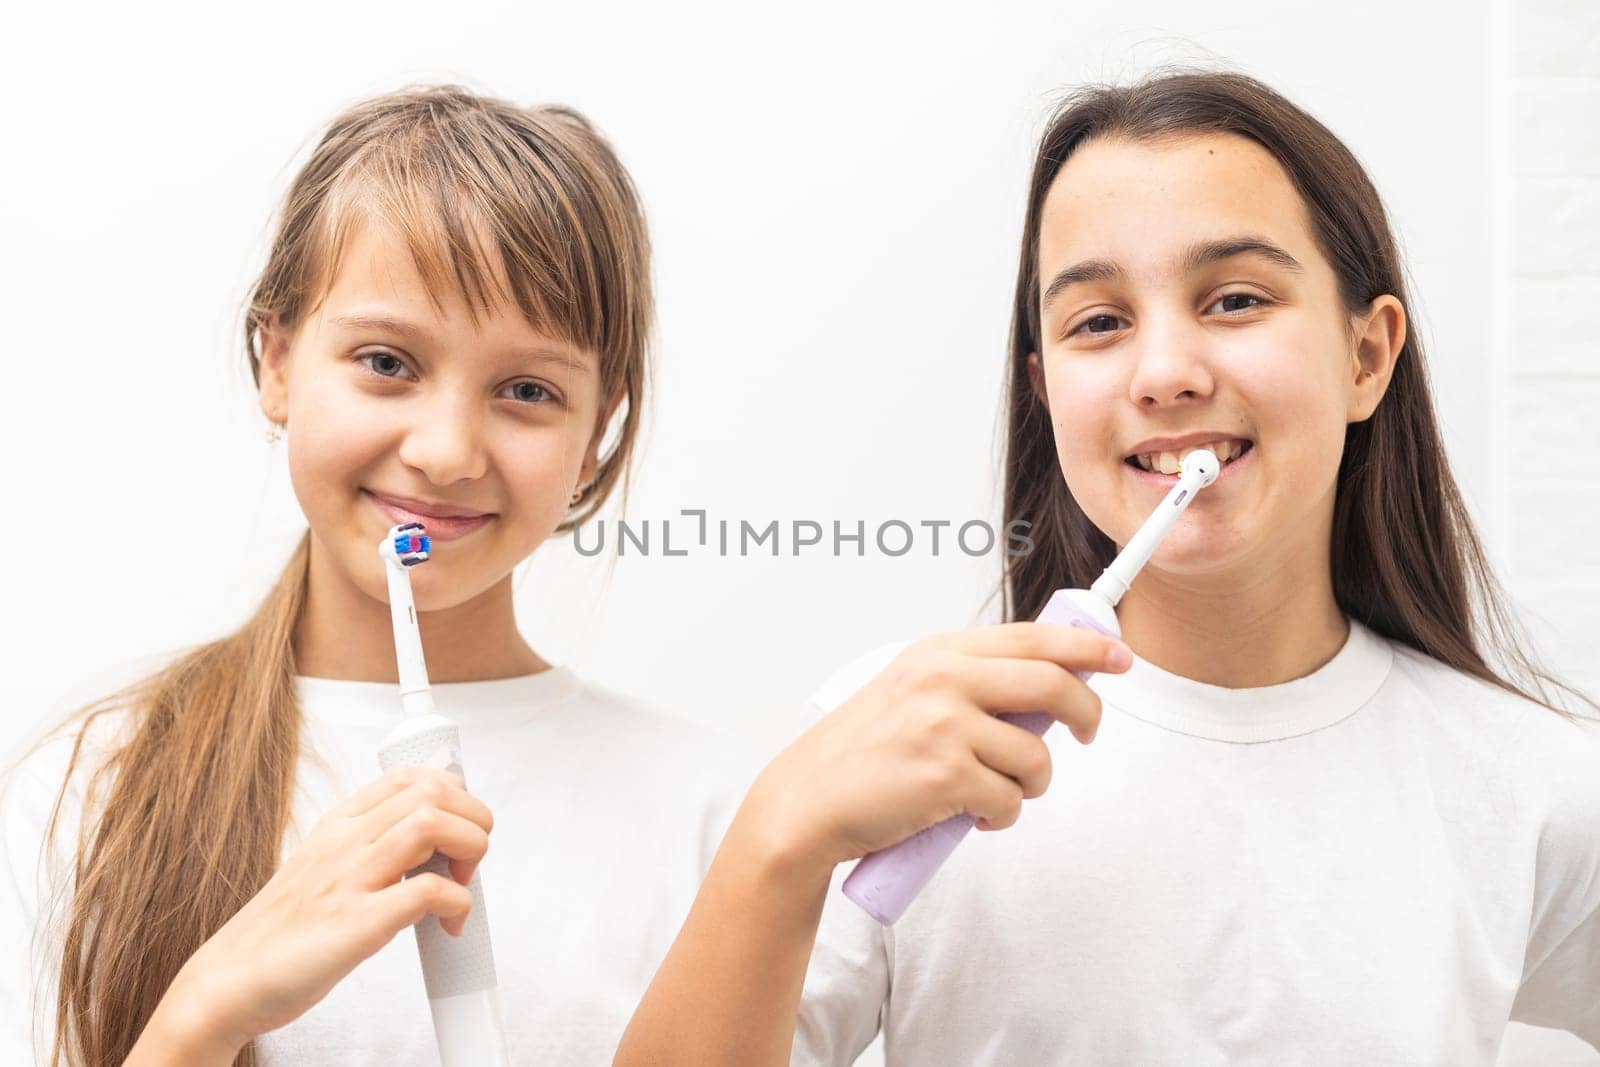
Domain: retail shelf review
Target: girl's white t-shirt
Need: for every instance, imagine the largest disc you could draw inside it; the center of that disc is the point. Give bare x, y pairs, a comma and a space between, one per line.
1379, 863
607, 813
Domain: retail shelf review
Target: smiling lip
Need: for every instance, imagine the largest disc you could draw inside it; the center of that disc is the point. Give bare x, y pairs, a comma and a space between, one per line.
438, 527
1178, 444
1164, 482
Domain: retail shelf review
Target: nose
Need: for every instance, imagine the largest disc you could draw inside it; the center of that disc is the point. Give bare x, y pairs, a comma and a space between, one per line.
445, 441
1171, 365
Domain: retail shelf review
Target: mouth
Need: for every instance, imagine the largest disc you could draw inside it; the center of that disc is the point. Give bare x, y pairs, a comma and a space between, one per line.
1162, 468
438, 527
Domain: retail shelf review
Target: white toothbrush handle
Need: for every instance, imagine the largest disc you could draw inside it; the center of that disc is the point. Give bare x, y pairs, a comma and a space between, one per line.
457, 971
415, 697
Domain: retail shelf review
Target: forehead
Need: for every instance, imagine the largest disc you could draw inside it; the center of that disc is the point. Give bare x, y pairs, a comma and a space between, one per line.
1141, 203
377, 276
376, 264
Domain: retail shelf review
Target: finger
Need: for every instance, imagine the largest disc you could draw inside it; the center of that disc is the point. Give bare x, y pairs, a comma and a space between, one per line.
374, 792
432, 788
1014, 752
992, 798
385, 786
1073, 647
463, 870
412, 840
1021, 685
406, 902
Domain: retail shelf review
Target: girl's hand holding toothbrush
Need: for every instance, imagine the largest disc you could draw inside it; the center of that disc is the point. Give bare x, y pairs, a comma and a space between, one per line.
920, 742
335, 901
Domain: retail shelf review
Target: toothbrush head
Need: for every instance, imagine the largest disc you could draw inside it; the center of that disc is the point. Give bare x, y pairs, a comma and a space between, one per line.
1200, 468
407, 544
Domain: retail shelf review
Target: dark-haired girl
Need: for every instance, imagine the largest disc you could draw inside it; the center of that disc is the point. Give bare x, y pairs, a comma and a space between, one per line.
1312, 823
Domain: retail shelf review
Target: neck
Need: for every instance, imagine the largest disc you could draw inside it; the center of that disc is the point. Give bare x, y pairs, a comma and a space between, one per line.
346, 634
1262, 627
1239, 642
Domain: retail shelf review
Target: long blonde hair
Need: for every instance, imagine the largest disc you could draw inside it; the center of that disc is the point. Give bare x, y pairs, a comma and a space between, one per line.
197, 796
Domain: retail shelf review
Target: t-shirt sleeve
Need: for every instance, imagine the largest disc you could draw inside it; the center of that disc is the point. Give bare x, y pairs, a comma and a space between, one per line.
846, 987
1561, 972
847, 981
28, 876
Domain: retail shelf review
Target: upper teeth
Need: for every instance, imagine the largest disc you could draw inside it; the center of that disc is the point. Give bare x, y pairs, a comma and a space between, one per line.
1168, 462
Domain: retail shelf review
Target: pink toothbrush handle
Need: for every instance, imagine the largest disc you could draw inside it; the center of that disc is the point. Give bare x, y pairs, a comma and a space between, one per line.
885, 882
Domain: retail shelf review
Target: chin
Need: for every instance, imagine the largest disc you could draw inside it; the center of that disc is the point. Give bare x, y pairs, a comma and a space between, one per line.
439, 594
1199, 550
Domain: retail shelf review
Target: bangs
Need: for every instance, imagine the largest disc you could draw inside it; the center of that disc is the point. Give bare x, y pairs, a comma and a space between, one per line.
507, 207
493, 244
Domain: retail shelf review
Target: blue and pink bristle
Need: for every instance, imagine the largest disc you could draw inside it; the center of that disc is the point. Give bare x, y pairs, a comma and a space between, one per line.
411, 544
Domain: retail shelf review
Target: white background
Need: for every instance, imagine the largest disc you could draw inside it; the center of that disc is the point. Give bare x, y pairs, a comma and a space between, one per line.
835, 196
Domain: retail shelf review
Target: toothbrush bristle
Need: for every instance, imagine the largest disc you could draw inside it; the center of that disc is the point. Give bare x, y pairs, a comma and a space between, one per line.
412, 548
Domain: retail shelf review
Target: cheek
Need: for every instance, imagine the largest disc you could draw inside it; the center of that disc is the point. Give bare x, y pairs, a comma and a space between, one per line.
535, 474
1291, 389
541, 467
332, 447
1080, 413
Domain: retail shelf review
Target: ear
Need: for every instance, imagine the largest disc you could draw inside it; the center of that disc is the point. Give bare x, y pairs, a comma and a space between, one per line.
1380, 333
591, 455
1036, 380
272, 374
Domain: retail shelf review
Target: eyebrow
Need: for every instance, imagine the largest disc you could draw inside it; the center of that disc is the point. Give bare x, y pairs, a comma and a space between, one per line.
381, 323
1198, 255
416, 333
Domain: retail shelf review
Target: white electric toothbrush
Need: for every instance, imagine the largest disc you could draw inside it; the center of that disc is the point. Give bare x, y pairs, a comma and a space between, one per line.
458, 972
885, 882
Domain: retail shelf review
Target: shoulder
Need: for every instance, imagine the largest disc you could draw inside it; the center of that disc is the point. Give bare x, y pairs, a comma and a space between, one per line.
1469, 704
848, 679
90, 721
60, 767
82, 745
1551, 763
649, 735
665, 771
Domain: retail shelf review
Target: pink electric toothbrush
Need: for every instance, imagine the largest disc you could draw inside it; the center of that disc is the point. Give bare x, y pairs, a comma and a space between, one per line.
457, 971
885, 882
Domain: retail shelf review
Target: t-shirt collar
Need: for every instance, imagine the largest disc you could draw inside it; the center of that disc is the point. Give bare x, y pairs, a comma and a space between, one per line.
483, 702
1332, 692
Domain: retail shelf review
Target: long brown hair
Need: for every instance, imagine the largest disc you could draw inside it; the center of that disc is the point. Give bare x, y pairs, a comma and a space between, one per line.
1405, 558
197, 797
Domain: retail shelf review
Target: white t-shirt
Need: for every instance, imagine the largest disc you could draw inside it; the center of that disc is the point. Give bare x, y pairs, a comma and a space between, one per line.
1379, 863
607, 813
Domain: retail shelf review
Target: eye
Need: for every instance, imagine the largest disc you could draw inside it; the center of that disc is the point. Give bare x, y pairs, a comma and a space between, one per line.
534, 392
362, 359
1081, 328
1259, 302
537, 393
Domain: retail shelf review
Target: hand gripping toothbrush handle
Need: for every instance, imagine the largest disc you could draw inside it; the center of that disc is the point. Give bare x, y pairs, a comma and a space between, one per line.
884, 883
458, 972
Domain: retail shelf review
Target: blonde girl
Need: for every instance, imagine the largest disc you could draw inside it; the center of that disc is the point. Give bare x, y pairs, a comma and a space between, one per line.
1313, 823
455, 309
